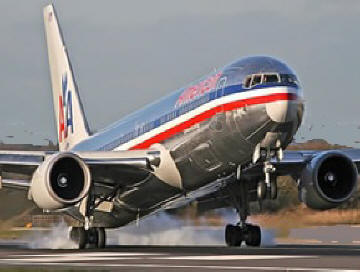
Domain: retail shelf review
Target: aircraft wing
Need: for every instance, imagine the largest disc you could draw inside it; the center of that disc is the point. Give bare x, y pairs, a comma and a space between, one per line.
18, 167
295, 161
112, 167
303, 166
292, 163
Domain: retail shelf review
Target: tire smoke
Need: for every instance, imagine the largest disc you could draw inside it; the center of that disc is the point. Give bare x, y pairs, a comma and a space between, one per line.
158, 229
164, 229
56, 238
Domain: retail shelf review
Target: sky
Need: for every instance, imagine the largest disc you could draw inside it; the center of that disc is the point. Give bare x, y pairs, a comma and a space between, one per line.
126, 54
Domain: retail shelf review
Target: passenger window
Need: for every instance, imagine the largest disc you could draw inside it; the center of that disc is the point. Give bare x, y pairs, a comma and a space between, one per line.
270, 78
256, 80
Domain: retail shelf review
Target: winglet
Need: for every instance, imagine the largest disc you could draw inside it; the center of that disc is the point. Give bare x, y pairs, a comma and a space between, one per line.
71, 123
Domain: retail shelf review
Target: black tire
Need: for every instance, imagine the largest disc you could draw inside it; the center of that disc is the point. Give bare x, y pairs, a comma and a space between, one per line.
78, 235
273, 189
233, 236
261, 190
92, 238
101, 237
253, 236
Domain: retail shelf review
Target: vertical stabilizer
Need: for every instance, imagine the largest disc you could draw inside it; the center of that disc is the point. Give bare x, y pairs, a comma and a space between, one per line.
71, 123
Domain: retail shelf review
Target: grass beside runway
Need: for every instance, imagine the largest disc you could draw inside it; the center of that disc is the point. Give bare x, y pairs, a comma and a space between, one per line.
302, 217
12, 234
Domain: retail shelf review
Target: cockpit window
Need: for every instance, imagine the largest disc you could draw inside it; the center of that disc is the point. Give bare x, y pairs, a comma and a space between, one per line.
289, 79
247, 82
270, 78
256, 79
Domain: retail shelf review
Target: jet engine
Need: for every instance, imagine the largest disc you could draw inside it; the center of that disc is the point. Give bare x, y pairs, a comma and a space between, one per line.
328, 180
63, 179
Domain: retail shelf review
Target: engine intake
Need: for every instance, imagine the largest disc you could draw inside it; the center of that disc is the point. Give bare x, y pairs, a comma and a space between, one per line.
63, 179
328, 180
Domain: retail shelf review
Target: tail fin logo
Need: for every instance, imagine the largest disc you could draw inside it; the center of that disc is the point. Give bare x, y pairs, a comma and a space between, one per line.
65, 110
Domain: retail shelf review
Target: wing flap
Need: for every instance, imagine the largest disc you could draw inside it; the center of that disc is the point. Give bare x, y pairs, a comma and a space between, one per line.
144, 159
20, 162
121, 167
15, 183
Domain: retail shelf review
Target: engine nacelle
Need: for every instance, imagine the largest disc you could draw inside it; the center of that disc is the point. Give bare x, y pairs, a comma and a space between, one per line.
328, 180
63, 179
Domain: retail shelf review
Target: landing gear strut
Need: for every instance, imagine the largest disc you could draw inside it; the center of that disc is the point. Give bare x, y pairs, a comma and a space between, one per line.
89, 236
266, 188
241, 232
93, 237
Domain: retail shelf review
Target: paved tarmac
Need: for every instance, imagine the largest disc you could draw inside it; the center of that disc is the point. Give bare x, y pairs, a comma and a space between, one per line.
306, 249
182, 258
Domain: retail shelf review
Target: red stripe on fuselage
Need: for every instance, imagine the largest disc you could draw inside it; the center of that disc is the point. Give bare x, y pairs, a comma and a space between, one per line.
210, 113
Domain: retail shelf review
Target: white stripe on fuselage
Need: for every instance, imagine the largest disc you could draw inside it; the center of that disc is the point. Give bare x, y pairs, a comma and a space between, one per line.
211, 104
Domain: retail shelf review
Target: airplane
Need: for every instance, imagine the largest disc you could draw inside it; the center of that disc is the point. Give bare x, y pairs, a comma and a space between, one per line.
222, 136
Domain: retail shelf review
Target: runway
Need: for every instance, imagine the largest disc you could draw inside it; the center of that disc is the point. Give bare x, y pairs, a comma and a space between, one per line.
166, 258
305, 249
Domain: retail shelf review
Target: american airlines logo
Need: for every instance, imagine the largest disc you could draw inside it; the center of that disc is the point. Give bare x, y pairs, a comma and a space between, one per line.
197, 90
65, 110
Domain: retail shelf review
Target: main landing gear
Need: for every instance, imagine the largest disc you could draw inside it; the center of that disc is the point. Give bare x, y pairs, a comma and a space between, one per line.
239, 192
235, 235
88, 236
241, 232
91, 238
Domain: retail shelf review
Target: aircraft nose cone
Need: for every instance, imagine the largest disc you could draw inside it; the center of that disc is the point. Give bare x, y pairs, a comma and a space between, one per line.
285, 110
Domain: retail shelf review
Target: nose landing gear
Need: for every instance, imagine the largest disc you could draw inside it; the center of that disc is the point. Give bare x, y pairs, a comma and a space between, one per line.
268, 187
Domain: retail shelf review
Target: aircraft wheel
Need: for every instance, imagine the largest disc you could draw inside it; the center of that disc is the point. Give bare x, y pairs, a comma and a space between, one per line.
92, 238
233, 236
101, 239
261, 190
253, 236
273, 189
78, 235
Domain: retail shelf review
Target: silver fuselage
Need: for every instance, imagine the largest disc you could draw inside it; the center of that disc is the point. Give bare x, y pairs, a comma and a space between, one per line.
203, 139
